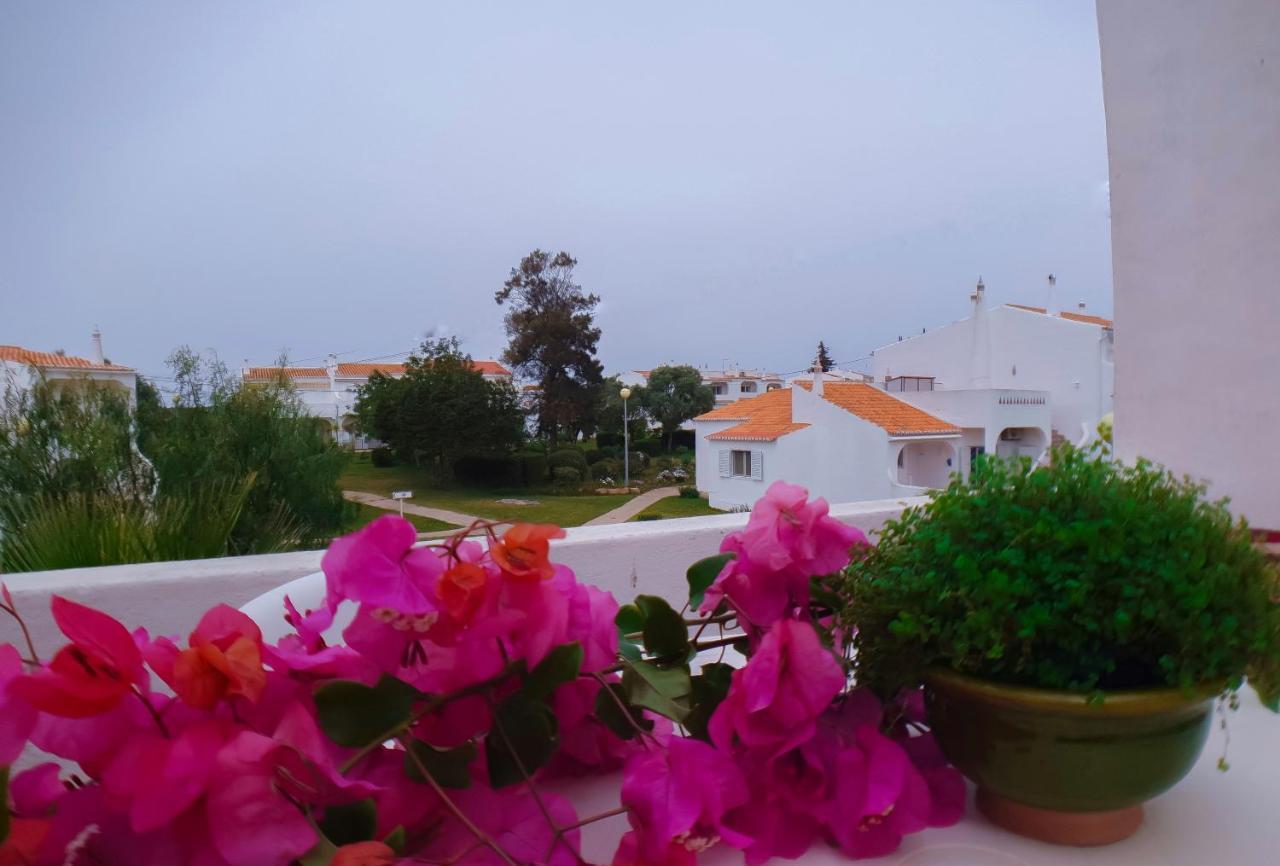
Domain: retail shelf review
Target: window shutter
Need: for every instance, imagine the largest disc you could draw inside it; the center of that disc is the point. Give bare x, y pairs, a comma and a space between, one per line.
757, 465
724, 464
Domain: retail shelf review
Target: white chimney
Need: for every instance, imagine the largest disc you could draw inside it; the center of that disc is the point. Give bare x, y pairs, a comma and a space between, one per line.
979, 296
98, 357
817, 379
1080, 307
1051, 305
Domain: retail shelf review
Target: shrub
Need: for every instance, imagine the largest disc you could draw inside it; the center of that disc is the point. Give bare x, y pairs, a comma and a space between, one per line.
566, 477
643, 516
639, 460
382, 457
594, 455
489, 471
684, 440
611, 451
672, 476
1086, 574
534, 469
663, 463
606, 469
570, 457
606, 440
688, 491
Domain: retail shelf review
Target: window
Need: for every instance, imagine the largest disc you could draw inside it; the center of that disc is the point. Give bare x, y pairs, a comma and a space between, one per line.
720, 389
748, 387
741, 464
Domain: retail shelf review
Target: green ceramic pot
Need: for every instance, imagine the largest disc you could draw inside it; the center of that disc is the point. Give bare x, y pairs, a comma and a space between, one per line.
1055, 750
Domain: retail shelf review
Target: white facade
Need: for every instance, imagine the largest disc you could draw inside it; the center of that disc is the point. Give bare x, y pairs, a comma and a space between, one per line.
330, 392
728, 386
1192, 94
1000, 421
1066, 355
820, 443
21, 368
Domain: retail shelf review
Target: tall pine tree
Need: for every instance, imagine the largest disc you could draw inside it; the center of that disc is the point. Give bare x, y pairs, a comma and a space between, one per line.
823, 360
550, 325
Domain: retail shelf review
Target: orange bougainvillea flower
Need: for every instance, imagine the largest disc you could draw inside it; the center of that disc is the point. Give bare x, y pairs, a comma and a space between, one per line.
522, 551
364, 854
461, 589
223, 659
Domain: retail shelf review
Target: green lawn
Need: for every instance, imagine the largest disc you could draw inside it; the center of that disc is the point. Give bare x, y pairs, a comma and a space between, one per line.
676, 506
367, 513
482, 502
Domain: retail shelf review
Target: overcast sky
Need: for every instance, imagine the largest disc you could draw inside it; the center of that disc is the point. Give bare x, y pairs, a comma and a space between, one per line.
737, 180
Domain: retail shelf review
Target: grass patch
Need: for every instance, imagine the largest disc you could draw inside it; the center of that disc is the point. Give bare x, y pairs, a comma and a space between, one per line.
367, 513
551, 507
677, 506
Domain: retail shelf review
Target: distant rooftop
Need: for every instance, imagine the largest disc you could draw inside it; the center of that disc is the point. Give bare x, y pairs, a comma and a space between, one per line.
1066, 314
355, 371
59, 360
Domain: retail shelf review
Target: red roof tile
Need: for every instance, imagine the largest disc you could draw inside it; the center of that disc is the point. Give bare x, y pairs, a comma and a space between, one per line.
53, 359
765, 418
896, 416
356, 371
1074, 317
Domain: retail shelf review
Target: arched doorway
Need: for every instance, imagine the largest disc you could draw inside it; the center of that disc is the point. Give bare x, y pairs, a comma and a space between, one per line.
1022, 442
926, 463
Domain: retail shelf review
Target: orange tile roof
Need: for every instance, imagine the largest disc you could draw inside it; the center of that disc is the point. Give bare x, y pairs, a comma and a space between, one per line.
764, 418
1074, 317
53, 359
355, 371
491, 368
364, 371
266, 374
896, 416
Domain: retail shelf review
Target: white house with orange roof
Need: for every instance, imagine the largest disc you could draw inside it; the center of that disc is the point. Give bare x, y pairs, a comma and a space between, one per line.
20, 368
728, 385
330, 392
845, 441
973, 370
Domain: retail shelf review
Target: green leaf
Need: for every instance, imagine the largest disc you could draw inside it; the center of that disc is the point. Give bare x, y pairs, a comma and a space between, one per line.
350, 822
630, 650
560, 666
451, 768
525, 734
665, 634
611, 715
709, 688
663, 690
630, 619
702, 574
321, 854
395, 839
353, 714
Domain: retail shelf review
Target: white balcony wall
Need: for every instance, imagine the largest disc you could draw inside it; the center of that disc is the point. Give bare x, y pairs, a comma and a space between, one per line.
1192, 93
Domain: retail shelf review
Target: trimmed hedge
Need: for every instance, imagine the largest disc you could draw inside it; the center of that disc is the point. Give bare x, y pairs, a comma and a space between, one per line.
689, 492
607, 469
534, 469
566, 477
609, 440
570, 457
651, 447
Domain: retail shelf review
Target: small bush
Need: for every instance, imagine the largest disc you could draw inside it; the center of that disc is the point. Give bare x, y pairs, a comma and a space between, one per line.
568, 457
648, 517
662, 463
672, 476
566, 477
611, 451
594, 456
382, 457
608, 440
688, 491
606, 468
534, 468
489, 471
639, 460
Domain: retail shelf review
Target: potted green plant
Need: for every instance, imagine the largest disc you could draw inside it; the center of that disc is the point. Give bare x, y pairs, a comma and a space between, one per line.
1072, 625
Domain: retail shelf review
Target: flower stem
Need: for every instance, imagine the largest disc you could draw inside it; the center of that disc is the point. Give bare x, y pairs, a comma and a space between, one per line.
26, 634
480, 835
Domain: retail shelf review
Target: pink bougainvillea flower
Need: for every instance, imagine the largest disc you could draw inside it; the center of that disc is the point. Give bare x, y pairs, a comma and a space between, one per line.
586, 744
629, 853
92, 674
523, 549
17, 717
513, 818
370, 853
35, 791
379, 565
223, 659
155, 778
681, 794
787, 530
591, 621
775, 700
250, 822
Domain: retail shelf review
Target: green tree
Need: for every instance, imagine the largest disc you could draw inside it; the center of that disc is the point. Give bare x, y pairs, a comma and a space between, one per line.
609, 409
552, 341
441, 409
674, 395
220, 432
823, 359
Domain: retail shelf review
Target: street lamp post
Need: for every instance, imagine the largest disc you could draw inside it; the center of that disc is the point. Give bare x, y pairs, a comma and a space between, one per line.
626, 440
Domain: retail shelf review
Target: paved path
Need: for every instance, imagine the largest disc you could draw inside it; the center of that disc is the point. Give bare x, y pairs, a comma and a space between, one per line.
632, 507
377, 500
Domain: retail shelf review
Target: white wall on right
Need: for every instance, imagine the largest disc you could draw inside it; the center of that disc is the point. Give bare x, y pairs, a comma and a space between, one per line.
1192, 94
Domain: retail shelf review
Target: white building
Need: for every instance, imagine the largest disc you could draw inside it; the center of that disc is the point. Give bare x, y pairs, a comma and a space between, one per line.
330, 392
1066, 355
20, 368
848, 441
728, 385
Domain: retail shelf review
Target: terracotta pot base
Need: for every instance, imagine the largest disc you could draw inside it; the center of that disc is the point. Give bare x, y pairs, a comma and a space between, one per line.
1083, 829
